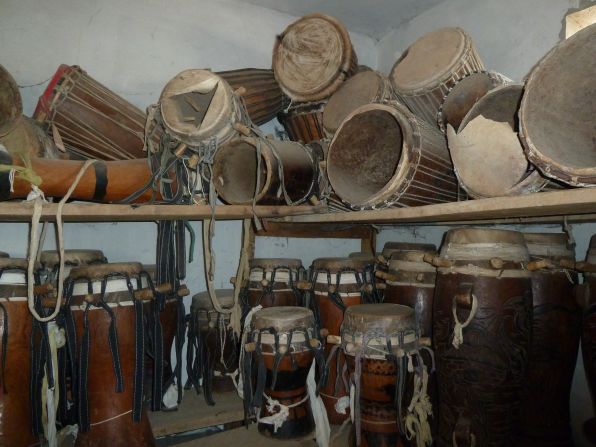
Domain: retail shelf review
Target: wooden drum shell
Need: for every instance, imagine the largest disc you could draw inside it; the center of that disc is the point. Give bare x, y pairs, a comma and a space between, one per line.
15, 403
262, 95
93, 121
304, 122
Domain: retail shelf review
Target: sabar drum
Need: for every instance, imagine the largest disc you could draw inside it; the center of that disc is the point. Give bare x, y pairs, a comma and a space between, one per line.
16, 427
92, 120
388, 375
313, 57
382, 155
411, 281
426, 71
482, 322
104, 323
281, 345
338, 283
556, 329
212, 352
272, 282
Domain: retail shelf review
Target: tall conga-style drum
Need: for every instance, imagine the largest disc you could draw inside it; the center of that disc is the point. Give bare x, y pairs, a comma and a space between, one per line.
482, 323
425, 72
273, 282
556, 330
259, 91
282, 344
338, 283
567, 69
488, 157
288, 172
465, 93
588, 336
103, 310
387, 375
199, 108
16, 426
382, 155
92, 120
411, 282
313, 57
363, 88
303, 122
212, 351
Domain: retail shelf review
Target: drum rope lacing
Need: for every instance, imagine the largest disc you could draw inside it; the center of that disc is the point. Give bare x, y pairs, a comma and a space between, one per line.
268, 290
415, 421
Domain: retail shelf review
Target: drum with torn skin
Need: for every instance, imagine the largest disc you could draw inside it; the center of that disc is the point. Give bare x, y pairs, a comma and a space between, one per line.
464, 94
212, 353
105, 333
312, 57
91, 120
487, 155
556, 114
425, 72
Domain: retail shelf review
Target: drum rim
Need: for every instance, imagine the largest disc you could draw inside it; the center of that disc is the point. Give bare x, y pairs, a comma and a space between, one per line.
100, 271
324, 90
424, 86
207, 305
219, 123
575, 176
265, 318
45, 101
405, 165
335, 264
50, 258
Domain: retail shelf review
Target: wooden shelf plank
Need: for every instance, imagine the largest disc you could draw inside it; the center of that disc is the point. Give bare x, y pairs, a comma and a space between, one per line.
94, 212
308, 230
193, 413
571, 202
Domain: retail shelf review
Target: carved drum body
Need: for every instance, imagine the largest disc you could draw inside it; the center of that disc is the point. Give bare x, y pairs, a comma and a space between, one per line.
272, 282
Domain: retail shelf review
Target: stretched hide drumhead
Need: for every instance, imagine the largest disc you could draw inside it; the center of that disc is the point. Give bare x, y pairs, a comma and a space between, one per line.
11, 104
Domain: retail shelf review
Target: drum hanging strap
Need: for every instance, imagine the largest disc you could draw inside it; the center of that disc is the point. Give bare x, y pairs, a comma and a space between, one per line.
4, 334
137, 403
180, 328
278, 356
71, 342
257, 400
156, 335
208, 364
83, 401
192, 354
113, 343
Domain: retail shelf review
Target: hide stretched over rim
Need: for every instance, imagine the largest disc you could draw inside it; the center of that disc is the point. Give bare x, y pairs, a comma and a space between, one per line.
558, 110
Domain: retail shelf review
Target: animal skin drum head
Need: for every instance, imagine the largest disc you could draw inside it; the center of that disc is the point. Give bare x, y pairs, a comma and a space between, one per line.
271, 263
388, 318
51, 258
558, 110
283, 318
429, 59
196, 105
11, 104
549, 245
202, 300
359, 90
310, 55
487, 154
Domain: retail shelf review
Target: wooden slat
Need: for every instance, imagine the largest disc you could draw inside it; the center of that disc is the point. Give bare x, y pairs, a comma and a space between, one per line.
570, 202
194, 413
92, 212
340, 231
